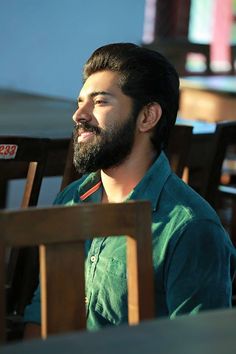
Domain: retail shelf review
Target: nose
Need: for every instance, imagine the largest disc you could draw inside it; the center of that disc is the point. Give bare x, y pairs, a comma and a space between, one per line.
82, 114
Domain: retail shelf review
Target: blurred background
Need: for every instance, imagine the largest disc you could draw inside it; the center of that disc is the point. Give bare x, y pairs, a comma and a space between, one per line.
197, 35
43, 46
45, 43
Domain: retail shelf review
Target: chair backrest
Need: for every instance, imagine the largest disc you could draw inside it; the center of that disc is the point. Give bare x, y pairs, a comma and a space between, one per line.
22, 156
70, 174
178, 147
61, 232
225, 135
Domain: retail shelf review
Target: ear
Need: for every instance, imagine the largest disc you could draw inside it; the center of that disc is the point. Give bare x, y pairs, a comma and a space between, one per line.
149, 117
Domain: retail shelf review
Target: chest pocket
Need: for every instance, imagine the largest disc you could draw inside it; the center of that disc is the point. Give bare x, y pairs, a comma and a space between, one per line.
112, 295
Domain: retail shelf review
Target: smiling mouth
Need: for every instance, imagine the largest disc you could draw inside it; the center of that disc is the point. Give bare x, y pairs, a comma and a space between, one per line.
85, 135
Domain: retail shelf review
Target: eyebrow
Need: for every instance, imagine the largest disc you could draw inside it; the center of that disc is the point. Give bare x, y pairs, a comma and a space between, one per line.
94, 94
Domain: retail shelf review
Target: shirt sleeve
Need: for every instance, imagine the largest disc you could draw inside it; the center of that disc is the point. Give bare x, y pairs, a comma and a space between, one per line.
198, 275
32, 313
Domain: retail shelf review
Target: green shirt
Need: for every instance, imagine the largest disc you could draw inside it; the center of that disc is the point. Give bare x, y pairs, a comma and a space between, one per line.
193, 257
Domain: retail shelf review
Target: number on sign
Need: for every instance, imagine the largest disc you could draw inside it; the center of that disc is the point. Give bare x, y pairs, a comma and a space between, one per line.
8, 151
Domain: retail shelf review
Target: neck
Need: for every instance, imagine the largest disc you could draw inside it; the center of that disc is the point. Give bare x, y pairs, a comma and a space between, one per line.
119, 181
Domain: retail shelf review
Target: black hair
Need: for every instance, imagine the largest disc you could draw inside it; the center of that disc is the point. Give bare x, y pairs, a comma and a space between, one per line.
146, 76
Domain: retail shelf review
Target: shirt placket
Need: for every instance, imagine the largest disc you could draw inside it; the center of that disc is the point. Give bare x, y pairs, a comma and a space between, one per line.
91, 265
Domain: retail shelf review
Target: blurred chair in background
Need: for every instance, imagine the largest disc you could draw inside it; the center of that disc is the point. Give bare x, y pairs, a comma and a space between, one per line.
178, 148
70, 174
21, 156
207, 180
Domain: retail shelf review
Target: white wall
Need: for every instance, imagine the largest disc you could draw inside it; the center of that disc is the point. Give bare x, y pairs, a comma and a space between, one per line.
44, 43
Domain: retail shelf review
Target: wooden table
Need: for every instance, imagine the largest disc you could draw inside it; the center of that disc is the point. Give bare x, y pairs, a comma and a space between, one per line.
207, 333
208, 98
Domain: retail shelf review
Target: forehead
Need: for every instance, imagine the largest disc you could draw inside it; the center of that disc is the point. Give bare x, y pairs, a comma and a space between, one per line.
101, 81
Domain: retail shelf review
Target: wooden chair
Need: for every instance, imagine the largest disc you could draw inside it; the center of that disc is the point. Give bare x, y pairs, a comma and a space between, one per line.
206, 179
227, 139
60, 232
227, 191
21, 156
212, 161
178, 147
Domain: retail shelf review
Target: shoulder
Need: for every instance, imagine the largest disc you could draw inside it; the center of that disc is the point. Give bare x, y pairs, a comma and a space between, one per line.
185, 220
183, 203
203, 235
70, 195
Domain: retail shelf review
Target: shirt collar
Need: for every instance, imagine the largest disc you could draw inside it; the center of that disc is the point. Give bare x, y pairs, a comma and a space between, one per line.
90, 188
149, 188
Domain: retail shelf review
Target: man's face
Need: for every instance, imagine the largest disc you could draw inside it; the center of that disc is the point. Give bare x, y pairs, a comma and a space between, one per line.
105, 126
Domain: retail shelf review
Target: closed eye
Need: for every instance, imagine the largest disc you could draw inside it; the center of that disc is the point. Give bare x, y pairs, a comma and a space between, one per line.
100, 101
101, 97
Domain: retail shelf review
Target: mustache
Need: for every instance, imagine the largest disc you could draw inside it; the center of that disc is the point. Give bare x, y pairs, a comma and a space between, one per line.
86, 127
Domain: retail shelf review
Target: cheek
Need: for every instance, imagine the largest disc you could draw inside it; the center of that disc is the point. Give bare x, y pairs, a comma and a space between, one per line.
106, 118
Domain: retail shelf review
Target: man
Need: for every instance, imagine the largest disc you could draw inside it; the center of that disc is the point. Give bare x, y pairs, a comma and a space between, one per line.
126, 108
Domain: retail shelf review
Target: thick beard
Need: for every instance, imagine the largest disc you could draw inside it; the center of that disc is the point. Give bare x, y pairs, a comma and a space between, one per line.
108, 148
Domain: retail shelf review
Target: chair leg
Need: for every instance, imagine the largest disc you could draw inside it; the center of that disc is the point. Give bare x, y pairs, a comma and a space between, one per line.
2, 294
3, 193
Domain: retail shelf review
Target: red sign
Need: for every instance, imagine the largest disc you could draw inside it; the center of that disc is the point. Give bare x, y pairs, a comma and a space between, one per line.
8, 151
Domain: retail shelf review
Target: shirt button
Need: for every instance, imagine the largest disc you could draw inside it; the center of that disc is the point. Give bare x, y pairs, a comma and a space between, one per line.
93, 259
